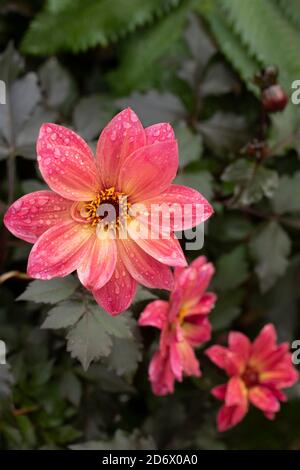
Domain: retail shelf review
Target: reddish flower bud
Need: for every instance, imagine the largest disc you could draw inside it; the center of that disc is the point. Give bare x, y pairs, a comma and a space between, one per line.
274, 99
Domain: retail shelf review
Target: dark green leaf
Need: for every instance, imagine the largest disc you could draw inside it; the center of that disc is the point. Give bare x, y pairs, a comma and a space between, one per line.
51, 291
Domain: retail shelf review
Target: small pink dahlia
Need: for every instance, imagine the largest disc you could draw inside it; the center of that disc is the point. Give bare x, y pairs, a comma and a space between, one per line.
184, 325
257, 373
72, 227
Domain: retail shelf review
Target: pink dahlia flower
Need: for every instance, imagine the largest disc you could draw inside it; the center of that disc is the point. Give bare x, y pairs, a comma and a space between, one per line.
183, 323
257, 373
71, 226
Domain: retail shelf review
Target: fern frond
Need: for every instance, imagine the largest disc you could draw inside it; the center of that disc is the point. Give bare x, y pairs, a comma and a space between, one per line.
291, 9
267, 33
75, 26
230, 44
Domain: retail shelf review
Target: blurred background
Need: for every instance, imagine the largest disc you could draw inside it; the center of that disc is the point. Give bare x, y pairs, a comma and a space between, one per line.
224, 73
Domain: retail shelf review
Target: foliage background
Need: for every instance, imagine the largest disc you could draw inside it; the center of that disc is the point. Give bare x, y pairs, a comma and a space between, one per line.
190, 62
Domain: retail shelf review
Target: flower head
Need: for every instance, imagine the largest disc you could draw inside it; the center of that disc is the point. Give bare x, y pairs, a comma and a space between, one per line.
257, 373
95, 217
183, 323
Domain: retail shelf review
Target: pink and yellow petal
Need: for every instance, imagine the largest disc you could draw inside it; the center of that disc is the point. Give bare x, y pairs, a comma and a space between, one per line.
67, 163
120, 138
236, 393
59, 251
230, 416
155, 314
160, 132
118, 293
160, 375
144, 268
99, 262
149, 171
263, 398
31, 215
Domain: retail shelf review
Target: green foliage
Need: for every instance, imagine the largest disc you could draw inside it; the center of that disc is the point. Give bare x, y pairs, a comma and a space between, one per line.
52, 291
270, 249
100, 23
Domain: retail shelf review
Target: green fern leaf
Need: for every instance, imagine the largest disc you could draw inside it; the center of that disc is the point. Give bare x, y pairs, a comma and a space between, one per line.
267, 33
291, 9
75, 26
230, 44
140, 57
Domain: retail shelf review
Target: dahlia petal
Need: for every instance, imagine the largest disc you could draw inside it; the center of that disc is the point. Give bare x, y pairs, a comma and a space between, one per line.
188, 359
149, 170
239, 344
160, 375
117, 294
167, 251
284, 375
194, 282
120, 138
217, 354
67, 163
176, 360
264, 399
178, 208
219, 391
159, 133
155, 314
144, 268
203, 307
264, 343
31, 215
197, 333
99, 263
59, 250
230, 416
236, 393
234, 364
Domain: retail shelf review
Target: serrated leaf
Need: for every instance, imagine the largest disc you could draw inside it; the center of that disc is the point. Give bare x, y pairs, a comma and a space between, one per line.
141, 59
51, 291
100, 22
270, 249
224, 131
252, 181
231, 269
91, 114
57, 84
91, 337
153, 106
65, 314
189, 144
70, 387
287, 196
11, 64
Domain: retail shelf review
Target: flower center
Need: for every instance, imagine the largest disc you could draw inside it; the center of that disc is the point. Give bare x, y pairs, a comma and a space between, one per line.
109, 210
250, 377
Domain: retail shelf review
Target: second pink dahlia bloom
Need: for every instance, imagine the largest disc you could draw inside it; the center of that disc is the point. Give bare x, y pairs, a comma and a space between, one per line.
132, 165
257, 373
184, 325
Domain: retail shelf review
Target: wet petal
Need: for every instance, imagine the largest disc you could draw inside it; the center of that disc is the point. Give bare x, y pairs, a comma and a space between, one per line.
67, 163
177, 208
239, 344
167, 251
149, 171
59, 251
219, 391
119, 139
31, 215
116, 296
99, 263
159, 133
236, 393
155, 314
144, 268
264, 399
160, 375
197, 333
230, 416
